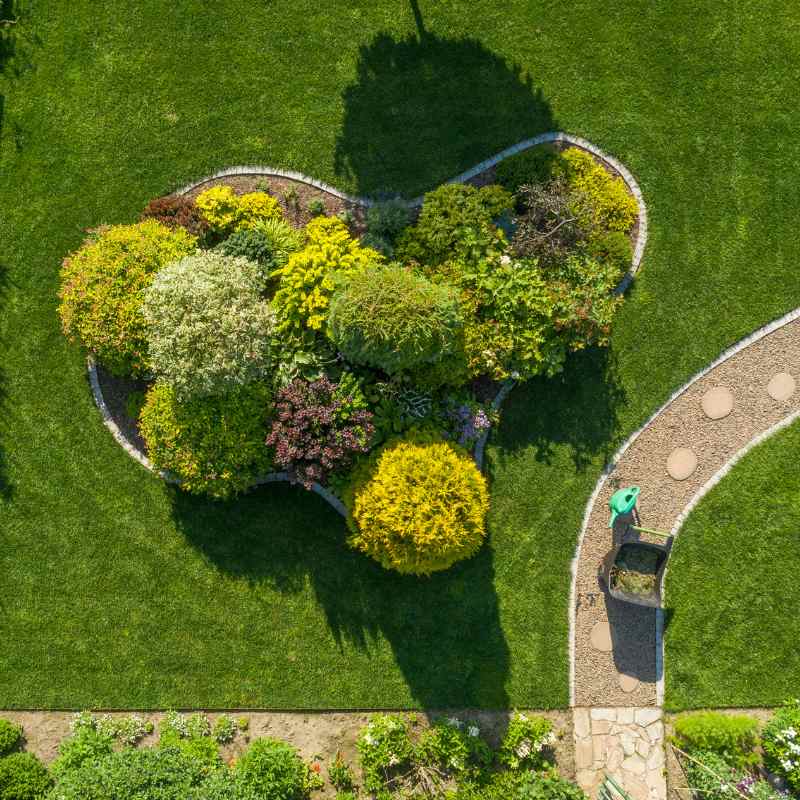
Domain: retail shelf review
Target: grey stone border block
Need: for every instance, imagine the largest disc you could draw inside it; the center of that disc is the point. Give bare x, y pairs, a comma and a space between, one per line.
542, 138
138, 455
256, 169
273, 477
609, 468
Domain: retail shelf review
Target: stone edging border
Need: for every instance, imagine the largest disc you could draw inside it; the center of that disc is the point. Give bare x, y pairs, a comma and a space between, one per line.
791, 316
138, 455
273, 477
684, 515
255, 169
542, 138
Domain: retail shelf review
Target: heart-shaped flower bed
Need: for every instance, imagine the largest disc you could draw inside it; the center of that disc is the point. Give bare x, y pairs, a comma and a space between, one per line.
250, 329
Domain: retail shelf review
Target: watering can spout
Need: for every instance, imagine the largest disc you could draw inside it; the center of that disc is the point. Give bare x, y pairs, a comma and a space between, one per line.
622, 501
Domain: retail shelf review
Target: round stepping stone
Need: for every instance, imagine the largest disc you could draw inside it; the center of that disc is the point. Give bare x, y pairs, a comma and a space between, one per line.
600, 637
717, 402
628, 683
682, 462
781, 387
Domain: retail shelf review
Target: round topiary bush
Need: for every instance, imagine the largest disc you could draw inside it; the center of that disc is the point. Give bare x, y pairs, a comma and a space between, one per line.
388, 317
208, 328
419, 507
274, 769
102, 286
214, 445
23, 777
10, 736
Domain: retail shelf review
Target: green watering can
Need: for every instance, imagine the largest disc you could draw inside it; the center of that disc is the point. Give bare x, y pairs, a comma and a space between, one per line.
622, 502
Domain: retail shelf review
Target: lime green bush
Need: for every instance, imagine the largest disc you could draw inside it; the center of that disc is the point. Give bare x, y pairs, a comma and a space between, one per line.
23, 777
418, 506
456, 222
208, 328
610, 204
388, 317
225, 211
214, 445
102, 286
509, 329
274, 769
734, 737
308, 279
10, 736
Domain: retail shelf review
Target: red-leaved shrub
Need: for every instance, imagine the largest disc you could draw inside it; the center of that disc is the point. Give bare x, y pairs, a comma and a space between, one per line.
317, 429
177, 211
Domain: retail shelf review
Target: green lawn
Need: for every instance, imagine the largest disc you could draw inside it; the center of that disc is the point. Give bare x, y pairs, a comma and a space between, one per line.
733, 623
115, 591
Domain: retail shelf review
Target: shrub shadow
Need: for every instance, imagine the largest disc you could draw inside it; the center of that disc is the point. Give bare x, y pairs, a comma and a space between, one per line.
424, 108
444, 630
578, 408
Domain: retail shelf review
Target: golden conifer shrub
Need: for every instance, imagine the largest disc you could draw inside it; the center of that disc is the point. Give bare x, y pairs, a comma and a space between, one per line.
419, 506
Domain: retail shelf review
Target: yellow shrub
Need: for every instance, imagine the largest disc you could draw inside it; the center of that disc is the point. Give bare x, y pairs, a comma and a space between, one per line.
418, 507
308, 279
611, 205
225, 211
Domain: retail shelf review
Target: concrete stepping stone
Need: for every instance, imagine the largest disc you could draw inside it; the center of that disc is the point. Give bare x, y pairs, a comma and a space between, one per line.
628, 683
682, 462
781, 387
600, 637
717, 403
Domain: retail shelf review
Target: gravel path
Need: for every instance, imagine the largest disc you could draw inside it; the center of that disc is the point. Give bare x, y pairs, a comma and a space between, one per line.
625, 671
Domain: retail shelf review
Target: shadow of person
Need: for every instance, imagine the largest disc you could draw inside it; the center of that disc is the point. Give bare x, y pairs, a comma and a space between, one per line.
444, 631
425, 108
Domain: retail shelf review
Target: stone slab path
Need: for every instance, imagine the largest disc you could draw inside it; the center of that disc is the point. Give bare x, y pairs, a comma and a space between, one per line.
625, 742
683, 450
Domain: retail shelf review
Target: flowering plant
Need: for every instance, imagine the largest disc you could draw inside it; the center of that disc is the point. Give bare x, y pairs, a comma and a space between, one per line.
384, 746
781, 742
318, 427
454, 747
525, 741
467, 420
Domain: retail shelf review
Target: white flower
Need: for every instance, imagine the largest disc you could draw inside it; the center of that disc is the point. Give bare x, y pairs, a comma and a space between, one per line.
455, 723
371, 740
505, 259
522, 718
393, 760
790, 732
524, 749
786, 764
474, 730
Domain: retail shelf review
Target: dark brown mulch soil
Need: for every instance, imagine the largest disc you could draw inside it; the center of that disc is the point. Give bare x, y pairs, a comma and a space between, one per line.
116, 392
294, 197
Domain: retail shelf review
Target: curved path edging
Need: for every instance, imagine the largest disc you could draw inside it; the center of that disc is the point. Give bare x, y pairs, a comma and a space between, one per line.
684, 515
738, 347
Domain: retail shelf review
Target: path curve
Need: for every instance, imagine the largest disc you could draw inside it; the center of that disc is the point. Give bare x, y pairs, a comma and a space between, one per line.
616, 648
745, 369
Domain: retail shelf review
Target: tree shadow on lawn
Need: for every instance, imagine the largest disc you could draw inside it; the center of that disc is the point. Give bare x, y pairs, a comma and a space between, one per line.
578, 408
424, 108
444, 630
